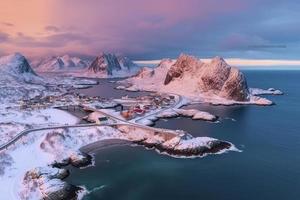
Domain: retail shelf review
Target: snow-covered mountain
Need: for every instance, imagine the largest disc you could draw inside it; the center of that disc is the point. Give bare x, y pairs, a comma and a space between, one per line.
215, 82
16, 67
216, 77
110, 65
60, 63
103, 66
18, 80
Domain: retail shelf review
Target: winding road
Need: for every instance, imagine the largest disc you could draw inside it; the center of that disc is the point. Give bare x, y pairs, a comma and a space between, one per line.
25, 132
135, 123
117, 121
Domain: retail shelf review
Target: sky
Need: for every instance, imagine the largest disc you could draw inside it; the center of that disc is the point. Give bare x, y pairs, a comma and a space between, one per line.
152, 29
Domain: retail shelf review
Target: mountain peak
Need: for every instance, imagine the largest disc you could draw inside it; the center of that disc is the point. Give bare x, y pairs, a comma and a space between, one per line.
108, 63
184, 56
16, 63
218, 59
59, 63
216, 77
105, 63
17, 67
66, 57
184, 63
12, 57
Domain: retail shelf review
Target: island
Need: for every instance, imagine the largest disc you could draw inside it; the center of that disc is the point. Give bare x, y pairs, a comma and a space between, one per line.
45, 122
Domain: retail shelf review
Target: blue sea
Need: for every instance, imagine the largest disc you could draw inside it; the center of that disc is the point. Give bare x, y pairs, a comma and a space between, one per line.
267, 168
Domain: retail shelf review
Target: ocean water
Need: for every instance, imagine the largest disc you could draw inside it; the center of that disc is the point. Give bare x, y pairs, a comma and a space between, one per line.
267, 168
105, 89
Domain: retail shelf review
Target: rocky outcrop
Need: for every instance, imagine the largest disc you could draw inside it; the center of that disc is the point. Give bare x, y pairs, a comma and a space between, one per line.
187, 148
145, 72
270, 91
77, 159
105, 63
184, 64
216, 77
235, 87
110, 63
80, 160
175, 143
223, 80
192, 113
125, 62
48, 181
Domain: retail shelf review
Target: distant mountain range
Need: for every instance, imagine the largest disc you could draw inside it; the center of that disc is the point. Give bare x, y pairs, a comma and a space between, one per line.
215, 82
104, 65
59, 63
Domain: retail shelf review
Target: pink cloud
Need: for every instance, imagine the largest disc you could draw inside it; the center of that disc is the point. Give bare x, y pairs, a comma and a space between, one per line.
142, 27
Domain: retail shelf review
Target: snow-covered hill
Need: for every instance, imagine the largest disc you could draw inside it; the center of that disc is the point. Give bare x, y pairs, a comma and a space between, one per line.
19, 81
60, 63
15, 67
214, 78
215, 82
110, 65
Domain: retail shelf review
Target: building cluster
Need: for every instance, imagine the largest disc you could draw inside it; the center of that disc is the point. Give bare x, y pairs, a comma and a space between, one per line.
133, 107
40, 102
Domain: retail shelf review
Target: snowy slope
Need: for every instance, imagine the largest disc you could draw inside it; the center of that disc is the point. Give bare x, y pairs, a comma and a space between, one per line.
215, 78
215, 82
103, 66
111, 65
59, 63
15, 67
19, 81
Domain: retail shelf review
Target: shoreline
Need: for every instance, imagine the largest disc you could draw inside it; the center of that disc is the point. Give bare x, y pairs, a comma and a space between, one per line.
103, 144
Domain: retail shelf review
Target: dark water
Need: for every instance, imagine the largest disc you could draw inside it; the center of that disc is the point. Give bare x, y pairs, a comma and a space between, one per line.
105, 89
268, 167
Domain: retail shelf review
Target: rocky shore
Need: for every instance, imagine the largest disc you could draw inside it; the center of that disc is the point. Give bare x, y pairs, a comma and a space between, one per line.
50, 180
199, 151
73, 147
215, 82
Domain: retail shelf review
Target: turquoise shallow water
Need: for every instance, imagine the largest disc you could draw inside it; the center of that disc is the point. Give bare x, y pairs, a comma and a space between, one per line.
268, 167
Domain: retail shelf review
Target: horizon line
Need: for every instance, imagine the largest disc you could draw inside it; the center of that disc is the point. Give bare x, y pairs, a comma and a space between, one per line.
239, 62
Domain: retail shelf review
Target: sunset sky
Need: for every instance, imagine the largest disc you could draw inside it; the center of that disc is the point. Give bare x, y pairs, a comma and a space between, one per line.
152, 29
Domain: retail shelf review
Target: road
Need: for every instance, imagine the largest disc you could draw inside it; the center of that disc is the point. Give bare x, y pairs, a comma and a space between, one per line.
117, 121
135, 123
25, 132
176, 105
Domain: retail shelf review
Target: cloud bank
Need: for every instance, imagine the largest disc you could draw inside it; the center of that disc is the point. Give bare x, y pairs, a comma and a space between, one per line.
153, 29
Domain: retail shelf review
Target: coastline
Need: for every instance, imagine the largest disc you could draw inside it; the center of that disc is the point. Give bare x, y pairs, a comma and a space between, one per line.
106, 143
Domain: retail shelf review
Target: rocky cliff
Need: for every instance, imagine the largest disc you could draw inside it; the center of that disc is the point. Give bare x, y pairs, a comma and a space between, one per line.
216, 77
110, 64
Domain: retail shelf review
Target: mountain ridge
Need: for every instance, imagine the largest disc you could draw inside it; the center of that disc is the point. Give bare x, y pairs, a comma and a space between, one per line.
16, 66
59, 63
191, 77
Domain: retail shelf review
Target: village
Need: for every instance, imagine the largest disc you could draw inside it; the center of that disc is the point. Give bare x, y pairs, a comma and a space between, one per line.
68, 99
139, 106
77, 104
